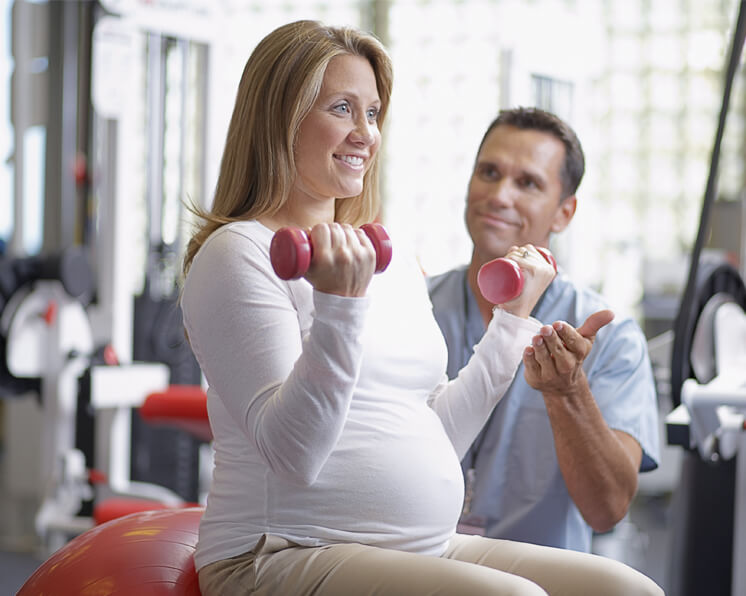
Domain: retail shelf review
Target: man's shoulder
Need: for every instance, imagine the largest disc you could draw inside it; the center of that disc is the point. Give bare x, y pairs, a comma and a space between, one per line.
440, 281
622, 334
570, 286
575, 302
584, 299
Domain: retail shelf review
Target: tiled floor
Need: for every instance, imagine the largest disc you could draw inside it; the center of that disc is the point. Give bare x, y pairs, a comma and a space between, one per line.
15, 569
19, 550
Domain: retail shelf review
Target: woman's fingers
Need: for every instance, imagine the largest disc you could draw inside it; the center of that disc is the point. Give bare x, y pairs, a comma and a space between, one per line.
343, 260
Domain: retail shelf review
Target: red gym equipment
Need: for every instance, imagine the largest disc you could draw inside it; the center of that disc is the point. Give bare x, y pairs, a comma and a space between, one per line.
147, 553
179, 406
183, 406
290, 250
501, 280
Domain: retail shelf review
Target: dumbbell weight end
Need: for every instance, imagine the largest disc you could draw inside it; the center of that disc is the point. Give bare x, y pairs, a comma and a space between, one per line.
501, 280
290, 253
381, 243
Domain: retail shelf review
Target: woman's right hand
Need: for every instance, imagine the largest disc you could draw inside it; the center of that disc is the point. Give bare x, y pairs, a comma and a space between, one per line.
343, 261
538, 273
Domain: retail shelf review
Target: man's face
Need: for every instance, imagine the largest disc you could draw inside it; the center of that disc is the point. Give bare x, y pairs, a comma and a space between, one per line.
515, 190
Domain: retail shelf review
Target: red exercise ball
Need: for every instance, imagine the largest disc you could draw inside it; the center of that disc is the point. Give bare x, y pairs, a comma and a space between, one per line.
144, 553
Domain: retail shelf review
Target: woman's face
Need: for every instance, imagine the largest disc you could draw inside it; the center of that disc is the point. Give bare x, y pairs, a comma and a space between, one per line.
339, 137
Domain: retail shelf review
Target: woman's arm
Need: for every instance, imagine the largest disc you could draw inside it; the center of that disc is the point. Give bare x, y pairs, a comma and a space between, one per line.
465, 403
288, 393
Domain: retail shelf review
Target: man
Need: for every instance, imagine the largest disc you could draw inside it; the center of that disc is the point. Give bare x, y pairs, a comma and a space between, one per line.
559, 457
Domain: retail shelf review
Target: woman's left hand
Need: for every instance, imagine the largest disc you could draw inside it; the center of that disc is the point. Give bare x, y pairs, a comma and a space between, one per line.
538, 273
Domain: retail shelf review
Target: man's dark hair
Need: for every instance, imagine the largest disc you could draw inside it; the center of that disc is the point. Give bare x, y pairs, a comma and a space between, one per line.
536, 119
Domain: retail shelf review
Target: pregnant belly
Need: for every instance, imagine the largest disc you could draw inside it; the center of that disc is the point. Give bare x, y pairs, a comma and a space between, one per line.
396, 488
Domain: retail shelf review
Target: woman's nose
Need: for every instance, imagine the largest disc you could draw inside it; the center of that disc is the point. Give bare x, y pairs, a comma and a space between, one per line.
364, 132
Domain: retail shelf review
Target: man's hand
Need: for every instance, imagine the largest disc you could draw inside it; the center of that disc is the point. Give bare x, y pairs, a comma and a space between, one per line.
599, 465
553, 362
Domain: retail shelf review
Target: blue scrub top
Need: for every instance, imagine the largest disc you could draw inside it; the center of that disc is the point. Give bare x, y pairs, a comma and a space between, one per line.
519, 489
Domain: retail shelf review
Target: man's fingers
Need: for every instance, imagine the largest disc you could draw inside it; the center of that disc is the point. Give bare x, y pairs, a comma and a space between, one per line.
542, 353
594, 322
554, 342
531, 366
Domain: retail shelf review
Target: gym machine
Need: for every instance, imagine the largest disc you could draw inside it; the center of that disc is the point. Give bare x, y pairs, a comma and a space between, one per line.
708, 389
47, 339
86, 328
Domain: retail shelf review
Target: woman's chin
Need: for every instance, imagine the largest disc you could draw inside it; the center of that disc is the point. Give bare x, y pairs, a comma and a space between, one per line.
350, 191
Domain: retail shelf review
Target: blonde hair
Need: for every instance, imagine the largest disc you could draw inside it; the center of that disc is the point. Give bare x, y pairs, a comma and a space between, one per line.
279, 86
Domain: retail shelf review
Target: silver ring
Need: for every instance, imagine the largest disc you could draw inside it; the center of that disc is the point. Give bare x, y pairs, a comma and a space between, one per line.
524, 254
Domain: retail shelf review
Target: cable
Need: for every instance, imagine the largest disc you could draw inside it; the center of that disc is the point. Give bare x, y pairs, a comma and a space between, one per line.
685, 321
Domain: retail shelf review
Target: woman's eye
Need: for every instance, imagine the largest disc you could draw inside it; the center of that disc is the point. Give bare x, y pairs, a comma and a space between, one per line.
342, 108
372, 114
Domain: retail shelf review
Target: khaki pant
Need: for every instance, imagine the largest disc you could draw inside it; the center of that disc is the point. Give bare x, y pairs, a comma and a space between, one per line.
472, 566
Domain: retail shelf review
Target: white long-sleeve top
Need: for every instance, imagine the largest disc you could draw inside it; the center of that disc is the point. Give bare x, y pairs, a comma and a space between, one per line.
332, 417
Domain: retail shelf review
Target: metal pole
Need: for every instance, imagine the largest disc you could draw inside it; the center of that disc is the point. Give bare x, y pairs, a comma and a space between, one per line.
21, 91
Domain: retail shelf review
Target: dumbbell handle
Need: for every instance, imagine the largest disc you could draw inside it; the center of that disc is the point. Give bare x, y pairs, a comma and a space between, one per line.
291, 250
501, 280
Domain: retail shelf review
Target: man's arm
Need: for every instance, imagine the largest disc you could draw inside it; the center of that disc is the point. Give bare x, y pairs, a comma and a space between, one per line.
599, 465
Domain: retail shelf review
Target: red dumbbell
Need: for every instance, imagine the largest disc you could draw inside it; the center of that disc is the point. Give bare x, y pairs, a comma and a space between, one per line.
501, 280
290, 250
